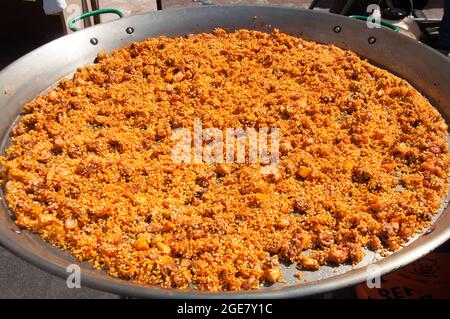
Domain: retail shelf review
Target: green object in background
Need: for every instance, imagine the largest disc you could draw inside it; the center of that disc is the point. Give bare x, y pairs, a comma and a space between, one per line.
72, 21
384, 23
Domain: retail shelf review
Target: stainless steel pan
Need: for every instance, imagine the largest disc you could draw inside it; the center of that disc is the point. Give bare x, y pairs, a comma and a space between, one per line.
20, 82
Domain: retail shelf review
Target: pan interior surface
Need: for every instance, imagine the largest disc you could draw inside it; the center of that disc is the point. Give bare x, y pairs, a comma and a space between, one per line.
24, 79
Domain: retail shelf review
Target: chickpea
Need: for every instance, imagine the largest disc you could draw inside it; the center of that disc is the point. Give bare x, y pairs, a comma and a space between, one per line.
154, 228
165, 249
287, 110
309, 263
161, 133
337, 255
102, 55
45, 219
275, 177
442, 126
36, 211
141, 243
168, 226
301, 206
302, 103
387, 141
223, 170
244, 212
374, 243
283, 223
401, 149
348, 165
324, 152
356, 255
261, 197
430, 167
376, 204
358, 139
303, 172
258, 199
406, 232
379, 134
390, 229
165, 204
435, 202
309, 141
71, 223
285, 147
53, 96
389, 167
178, 77
58, 230
326, 238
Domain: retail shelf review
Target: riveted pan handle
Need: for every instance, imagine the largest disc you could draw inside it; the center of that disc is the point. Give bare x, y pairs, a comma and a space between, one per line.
382, 22
72, 21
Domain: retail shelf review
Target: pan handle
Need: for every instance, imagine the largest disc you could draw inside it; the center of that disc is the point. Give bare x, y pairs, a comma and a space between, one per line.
72, 21
384, 23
